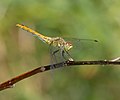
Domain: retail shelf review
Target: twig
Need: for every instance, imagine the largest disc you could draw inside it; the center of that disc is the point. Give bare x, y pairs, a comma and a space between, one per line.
11, 83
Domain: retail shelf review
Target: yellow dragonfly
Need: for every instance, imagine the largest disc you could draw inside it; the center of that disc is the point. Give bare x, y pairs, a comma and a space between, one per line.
62, 45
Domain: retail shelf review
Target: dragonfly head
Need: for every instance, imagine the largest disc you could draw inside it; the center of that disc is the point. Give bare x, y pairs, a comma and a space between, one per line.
68, 46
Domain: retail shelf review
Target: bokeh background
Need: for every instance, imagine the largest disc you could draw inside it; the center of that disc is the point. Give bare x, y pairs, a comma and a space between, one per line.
21, 52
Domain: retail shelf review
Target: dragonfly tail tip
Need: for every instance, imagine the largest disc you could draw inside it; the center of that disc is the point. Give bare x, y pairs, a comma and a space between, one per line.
96, 40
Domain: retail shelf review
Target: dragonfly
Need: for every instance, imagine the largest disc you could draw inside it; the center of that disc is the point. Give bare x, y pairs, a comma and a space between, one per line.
58, 42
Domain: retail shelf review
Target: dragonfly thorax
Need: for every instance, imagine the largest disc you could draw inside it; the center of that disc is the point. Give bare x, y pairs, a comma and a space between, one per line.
58, 42
61, 43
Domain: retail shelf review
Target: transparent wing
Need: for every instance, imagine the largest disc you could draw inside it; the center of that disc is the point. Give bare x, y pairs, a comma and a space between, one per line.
83, 48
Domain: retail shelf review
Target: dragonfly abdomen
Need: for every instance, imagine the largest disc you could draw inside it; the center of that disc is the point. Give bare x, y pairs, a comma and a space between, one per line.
40, 36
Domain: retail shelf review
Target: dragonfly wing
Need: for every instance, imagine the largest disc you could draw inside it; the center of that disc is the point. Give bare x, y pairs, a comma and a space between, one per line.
82, 47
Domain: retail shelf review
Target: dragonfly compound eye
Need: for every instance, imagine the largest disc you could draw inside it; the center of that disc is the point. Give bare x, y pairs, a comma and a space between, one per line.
68, 46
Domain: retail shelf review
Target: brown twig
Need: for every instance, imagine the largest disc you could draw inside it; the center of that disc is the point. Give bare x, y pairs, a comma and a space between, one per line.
10, 83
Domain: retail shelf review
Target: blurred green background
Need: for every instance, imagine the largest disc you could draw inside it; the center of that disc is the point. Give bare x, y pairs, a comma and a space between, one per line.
21, 52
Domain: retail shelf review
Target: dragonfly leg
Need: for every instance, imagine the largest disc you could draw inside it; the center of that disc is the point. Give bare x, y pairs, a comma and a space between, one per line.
54, 55
55, 52
63, 54
70, 58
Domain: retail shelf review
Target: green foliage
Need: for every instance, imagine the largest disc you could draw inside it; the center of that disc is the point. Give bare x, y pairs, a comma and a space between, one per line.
20, 51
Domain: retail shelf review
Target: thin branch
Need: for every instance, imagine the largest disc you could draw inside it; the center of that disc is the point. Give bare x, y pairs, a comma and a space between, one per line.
11, 83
